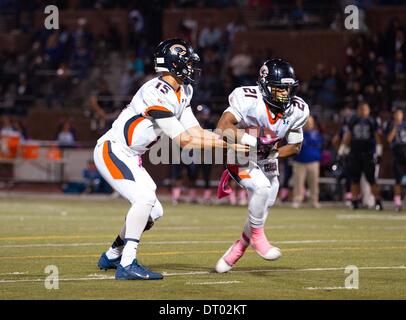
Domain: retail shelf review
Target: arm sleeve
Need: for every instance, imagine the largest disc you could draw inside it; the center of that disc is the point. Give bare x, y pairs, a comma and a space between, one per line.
188, 119
170, 126
236, 105
295, 134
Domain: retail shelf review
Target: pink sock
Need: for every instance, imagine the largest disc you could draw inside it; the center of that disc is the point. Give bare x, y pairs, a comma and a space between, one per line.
259, 240
236, 252
192, 194
284, 193
398, 200
257, 233
176, 193
207, 194
348, 196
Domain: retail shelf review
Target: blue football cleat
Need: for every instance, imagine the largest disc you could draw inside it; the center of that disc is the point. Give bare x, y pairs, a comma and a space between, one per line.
106, 263
136, 271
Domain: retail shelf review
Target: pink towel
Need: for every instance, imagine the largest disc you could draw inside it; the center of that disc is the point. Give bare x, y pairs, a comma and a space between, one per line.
222, 190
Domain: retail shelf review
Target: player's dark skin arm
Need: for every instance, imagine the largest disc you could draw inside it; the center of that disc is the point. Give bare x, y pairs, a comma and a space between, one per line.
392, 134
347, 138
289, 150
227, 127
378, 138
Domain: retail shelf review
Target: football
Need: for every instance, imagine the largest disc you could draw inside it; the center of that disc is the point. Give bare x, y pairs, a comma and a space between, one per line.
260, 132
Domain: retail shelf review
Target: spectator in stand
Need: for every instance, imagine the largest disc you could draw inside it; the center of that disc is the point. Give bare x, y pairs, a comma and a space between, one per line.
94, 182
24, 97
53, 51
187, 29
8, 128
128, 85
102, 104
81, 60
235, 27
240, 65
332, 90
137, 26
66, 136
306, 165
82, 35
210, 36
82, 44
316, 83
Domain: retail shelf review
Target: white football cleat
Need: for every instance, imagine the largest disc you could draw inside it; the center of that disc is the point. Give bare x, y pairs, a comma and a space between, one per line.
261, 245
230, 258
272, 253
222, 266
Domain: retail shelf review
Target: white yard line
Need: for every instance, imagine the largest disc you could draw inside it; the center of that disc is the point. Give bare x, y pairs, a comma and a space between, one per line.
13, 273
370, 217
213, 282
85, 244
97, 277
329, 288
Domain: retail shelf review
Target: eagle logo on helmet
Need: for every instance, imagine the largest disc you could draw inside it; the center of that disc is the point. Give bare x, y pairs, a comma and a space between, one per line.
263, 72
178, 49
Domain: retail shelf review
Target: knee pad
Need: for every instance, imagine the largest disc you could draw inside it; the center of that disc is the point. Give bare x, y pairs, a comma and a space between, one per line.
263, 191
271, 202
258, 205
144, 195
260, 197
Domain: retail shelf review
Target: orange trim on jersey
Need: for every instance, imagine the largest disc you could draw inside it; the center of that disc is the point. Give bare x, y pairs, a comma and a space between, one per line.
244, 175
159, 108
132, 128
272, 120
113, 169
178, 94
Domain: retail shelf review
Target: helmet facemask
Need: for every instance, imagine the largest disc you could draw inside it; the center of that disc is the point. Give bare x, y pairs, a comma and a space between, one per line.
278, 95
189, 70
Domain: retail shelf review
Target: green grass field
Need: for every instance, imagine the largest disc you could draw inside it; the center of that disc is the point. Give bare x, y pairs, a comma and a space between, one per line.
317, 246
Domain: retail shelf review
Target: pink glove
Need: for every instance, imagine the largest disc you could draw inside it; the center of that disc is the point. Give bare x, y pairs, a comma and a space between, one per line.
267, 141
265, 145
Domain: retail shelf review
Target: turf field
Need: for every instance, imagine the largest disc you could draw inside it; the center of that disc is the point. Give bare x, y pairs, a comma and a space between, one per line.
317, 246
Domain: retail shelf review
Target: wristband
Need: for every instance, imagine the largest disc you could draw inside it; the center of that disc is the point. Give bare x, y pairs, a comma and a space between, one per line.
249, 140
379, 150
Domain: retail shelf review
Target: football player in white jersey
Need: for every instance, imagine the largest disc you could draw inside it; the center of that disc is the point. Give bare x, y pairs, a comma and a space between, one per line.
271, 104
160, 106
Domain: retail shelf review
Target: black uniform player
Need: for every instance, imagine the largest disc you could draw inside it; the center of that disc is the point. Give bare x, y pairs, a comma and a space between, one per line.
365, 150
396, 135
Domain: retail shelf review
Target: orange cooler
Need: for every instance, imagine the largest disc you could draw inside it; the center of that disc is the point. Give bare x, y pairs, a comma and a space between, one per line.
9, 146
30, 150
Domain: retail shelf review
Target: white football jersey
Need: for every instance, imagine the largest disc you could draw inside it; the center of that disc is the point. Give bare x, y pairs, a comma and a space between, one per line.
156, 99
250, 110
